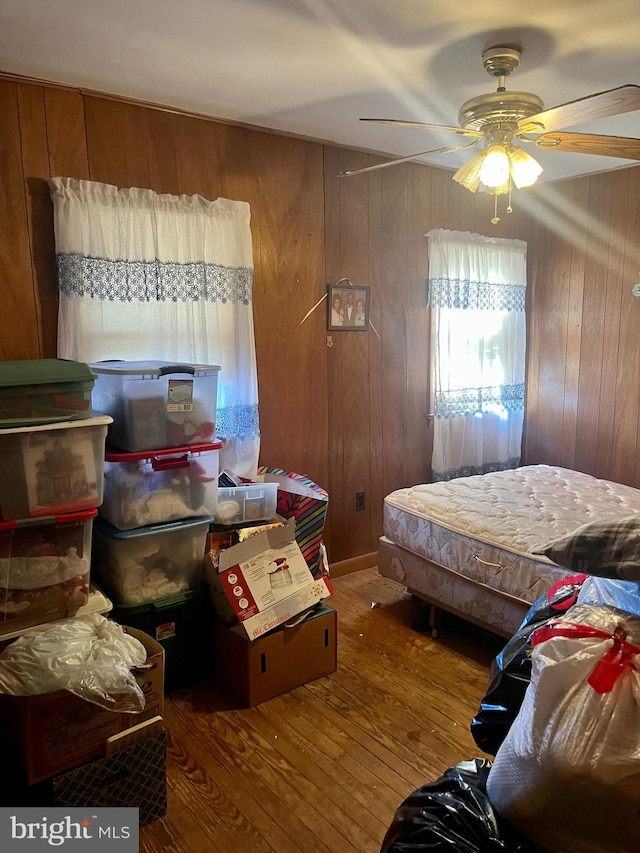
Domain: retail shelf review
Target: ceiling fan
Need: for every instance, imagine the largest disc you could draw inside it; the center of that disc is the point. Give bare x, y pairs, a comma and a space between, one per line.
502, 119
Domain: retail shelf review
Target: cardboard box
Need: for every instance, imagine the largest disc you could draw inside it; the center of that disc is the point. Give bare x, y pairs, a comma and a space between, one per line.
306, 502
263, 582
54, 732
135, 776
277, 662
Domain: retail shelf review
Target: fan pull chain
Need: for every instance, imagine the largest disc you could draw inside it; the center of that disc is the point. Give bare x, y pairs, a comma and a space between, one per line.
496, 218
509, 208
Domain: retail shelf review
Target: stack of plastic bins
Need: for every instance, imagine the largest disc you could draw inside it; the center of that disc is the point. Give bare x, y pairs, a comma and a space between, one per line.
160, 495
51, 482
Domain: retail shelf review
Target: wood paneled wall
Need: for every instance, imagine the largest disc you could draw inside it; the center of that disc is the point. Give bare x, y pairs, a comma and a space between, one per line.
583, 387
347, 409
379, 435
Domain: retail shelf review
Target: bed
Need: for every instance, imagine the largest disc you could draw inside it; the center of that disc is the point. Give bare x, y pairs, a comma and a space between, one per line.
466, 545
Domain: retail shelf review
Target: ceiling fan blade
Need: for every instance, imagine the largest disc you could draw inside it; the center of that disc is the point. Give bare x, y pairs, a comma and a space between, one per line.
440, 127
399, 160
623, 99
591, 143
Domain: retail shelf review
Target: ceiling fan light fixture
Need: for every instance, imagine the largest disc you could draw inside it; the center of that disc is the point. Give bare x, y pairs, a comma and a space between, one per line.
525, 169
495, 166
468, 175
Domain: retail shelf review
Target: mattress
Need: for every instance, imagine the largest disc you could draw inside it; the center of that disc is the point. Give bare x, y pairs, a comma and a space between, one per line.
485, 527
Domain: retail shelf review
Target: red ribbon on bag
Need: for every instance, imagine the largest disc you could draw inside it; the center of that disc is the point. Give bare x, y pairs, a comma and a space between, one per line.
572, 588
610, 667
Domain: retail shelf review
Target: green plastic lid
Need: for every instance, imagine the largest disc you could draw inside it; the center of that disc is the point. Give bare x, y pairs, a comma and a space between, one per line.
44, 371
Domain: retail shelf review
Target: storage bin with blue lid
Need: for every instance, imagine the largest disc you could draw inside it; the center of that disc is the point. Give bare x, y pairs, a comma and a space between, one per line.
141, 565
156, 404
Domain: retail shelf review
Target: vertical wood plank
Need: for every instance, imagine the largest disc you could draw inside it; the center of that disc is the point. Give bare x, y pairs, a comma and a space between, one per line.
627, 403
611, 326
35, 162
332, 192
162, 133
577, 238
353, 399
19, 334
588, 414
376, 363
66, 134
125, 164
419, 432
394, 326
198, 162
553, 315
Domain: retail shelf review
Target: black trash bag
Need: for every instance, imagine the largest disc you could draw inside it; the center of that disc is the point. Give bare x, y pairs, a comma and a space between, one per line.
510, 672
452, 815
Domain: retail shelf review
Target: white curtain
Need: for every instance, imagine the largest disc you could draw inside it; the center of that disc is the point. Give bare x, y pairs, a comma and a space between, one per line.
476, 290
144, 276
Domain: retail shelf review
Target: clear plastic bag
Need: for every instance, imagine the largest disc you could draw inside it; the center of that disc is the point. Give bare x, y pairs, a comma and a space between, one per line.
625, 595
89, 656
568, 772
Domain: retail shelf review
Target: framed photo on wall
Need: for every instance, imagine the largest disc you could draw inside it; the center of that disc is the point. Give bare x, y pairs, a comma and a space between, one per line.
348, 308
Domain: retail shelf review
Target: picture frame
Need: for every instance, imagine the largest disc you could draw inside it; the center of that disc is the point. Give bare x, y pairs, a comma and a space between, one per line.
348, 307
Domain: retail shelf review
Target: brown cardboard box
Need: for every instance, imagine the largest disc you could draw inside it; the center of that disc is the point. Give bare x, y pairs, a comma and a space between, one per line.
257, 670
54, 732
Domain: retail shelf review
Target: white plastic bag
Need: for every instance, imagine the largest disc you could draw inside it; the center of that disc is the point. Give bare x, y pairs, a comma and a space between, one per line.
567, 774
88, 655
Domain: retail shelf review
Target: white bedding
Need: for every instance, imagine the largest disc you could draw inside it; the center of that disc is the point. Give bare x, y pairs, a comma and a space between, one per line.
484, 527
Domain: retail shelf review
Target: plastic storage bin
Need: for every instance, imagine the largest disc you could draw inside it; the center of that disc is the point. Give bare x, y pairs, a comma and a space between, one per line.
43, 391
150, 488
52, 469
141, 565
250, 502
155, 404
45, 565
176, 622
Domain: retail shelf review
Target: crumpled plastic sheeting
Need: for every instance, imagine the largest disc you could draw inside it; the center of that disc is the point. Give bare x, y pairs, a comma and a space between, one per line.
452, 815
89, 656
624, 595
567, 775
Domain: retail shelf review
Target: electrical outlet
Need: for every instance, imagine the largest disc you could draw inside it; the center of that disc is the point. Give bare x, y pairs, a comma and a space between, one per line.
360, 504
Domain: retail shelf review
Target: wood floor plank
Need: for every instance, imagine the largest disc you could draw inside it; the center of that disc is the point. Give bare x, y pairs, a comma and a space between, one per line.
322, 768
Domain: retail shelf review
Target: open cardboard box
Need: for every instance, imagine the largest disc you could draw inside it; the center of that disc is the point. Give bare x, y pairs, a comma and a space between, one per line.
288, 657
54, 732
263, 582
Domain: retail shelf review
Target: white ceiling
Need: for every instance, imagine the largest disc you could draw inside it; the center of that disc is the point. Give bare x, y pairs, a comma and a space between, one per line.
313, 67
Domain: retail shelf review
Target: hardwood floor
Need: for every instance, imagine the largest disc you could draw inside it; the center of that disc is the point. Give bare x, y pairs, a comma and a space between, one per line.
322, 768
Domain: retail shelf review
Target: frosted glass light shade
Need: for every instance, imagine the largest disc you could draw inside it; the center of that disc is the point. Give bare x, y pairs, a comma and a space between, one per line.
525, 170
495, 167
468, 175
